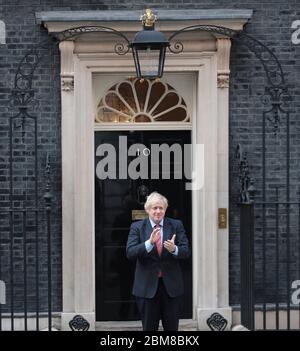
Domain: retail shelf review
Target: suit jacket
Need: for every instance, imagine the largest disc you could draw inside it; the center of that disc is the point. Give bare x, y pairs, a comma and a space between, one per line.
149, 264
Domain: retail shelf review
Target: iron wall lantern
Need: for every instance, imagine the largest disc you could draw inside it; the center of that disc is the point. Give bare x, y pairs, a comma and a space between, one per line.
149, 49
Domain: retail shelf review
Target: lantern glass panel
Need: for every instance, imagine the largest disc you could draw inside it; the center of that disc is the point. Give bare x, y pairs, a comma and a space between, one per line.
149, 62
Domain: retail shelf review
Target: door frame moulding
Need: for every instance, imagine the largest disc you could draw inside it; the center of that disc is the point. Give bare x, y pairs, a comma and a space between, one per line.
78, 189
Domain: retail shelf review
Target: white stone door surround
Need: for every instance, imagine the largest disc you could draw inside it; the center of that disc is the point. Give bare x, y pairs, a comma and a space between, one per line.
207, 56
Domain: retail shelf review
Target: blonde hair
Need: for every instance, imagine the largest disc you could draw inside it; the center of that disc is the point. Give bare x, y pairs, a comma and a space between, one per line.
154, 197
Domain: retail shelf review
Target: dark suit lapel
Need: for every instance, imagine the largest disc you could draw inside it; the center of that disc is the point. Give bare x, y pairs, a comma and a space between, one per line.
148, 229
167, 228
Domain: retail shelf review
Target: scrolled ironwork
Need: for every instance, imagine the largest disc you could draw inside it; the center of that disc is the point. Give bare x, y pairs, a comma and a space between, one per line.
268, 59
28, 64
205, 28
48, 194
276, 87
22, 95
176, 47
274, 97
78, 323
246, 182
71, 33
121, 49
217, 322
75, 31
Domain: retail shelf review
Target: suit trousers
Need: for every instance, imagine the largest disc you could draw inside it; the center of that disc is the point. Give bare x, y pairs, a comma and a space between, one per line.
161, 306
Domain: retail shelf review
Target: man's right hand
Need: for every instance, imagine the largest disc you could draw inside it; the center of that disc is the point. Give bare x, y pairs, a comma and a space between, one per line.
155, 235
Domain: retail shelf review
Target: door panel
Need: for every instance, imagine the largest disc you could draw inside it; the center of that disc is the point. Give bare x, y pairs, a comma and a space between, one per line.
114, 201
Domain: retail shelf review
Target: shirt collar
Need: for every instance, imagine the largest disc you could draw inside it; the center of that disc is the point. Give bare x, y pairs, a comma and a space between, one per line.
161, 223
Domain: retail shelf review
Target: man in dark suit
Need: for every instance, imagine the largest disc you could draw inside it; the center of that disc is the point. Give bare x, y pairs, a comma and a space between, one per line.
157, 243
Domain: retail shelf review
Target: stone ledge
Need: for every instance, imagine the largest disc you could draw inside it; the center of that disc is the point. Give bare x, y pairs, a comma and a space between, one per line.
184, 325
163, 15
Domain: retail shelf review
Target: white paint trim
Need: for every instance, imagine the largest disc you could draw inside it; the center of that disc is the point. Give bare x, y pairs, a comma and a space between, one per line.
142, 126
68, 128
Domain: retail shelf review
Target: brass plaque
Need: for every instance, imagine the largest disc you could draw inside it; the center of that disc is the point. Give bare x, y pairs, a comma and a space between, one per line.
138, 214
222, 218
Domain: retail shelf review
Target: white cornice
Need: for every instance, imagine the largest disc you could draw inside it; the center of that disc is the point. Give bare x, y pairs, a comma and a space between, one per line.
168, 20
164, 15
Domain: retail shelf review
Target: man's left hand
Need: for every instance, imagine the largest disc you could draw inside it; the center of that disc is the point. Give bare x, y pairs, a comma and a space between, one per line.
170, 244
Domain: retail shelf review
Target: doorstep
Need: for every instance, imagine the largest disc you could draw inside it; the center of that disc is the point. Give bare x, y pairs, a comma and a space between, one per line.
184, 325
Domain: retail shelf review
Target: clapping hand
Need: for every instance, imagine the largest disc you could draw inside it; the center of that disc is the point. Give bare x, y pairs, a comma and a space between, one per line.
170, 244
154, 236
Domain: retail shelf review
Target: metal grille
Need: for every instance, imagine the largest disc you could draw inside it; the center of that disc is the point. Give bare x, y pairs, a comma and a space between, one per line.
25, 213
270, 228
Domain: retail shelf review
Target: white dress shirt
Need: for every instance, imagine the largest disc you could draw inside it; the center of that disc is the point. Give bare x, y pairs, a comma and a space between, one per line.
150, 246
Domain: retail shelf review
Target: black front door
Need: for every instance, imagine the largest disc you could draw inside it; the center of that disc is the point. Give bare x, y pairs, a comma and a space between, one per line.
118, 202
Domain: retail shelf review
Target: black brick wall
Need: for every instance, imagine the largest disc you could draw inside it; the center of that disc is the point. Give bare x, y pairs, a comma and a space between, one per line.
271, 24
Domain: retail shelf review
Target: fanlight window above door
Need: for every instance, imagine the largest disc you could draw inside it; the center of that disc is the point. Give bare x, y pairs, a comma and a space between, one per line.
135, 101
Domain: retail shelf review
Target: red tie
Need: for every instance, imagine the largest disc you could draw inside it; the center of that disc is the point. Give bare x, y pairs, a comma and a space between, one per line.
159, 247
158, 243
